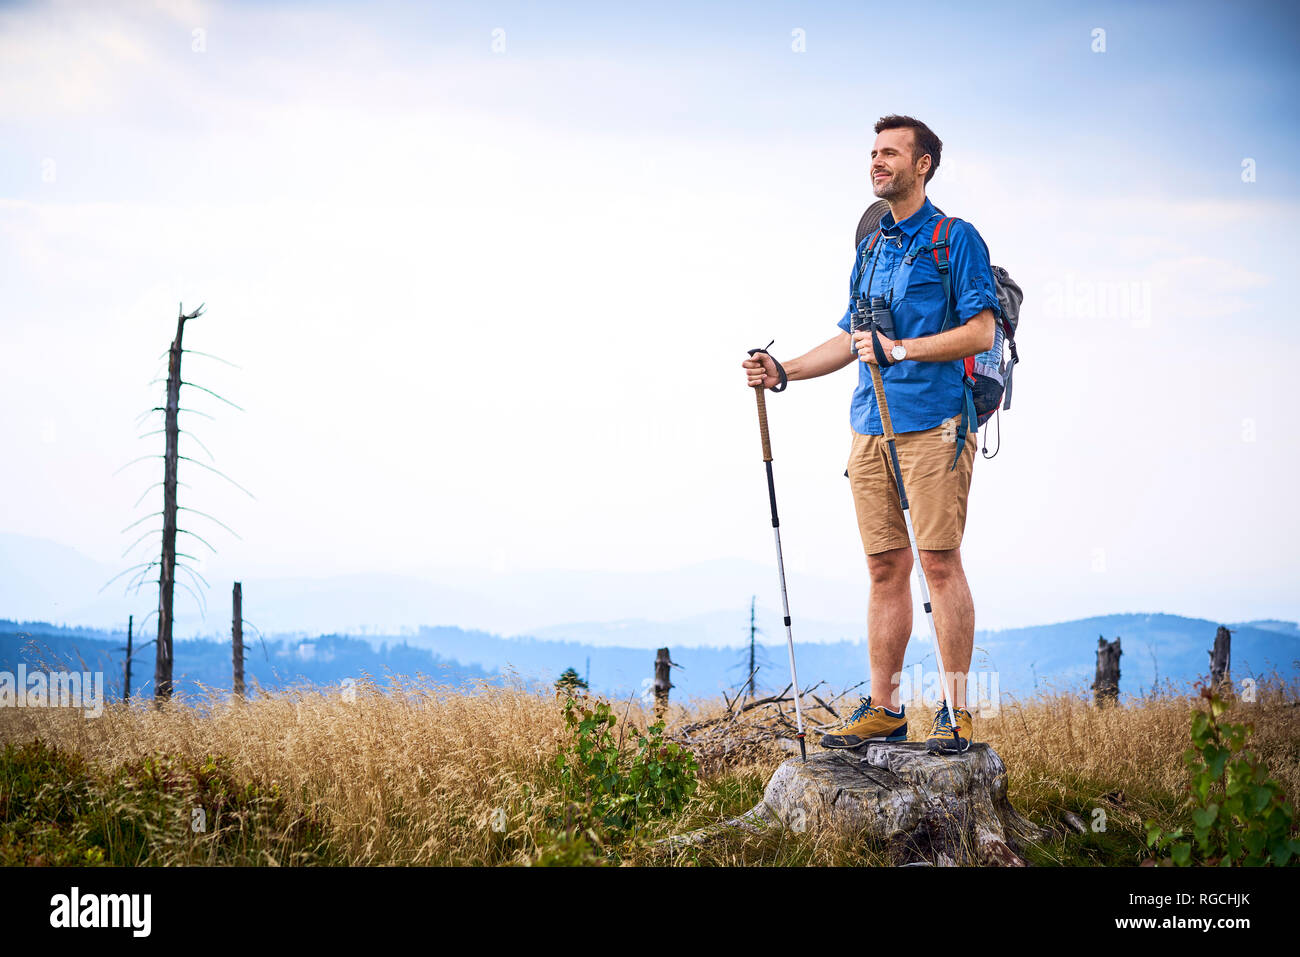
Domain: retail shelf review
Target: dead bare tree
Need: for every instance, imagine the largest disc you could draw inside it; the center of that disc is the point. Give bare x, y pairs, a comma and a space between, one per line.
169, 561
753, 640
162, 675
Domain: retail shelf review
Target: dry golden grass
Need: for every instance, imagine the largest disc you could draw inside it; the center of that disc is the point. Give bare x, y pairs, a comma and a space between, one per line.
414, 773
1141, 743
1062, 753
406, 777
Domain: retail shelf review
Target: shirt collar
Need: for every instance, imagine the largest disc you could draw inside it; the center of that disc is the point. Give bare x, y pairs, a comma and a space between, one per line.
909, 226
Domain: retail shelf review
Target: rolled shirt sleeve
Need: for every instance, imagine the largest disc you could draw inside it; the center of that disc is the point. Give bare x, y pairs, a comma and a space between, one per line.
972, 276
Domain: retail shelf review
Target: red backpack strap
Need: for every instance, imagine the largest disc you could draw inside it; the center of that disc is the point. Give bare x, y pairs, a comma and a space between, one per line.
939, 241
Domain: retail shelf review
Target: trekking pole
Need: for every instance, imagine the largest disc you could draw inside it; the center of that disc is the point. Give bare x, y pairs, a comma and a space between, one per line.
878, 387
776, 529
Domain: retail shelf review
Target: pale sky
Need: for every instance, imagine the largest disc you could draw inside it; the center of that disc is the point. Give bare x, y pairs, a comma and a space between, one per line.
489, 305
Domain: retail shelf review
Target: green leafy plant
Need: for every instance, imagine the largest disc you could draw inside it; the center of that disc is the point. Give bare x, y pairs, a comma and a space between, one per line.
622, 784
1240, 816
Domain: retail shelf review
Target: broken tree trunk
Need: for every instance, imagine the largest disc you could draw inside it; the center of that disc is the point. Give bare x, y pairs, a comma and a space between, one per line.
1105, 687
662, 684
130, 635
937, 809
237, 640
162, 676
1221, 661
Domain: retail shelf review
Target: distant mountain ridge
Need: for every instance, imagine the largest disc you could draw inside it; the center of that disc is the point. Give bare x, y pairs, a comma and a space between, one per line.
203, 665
1270, 624
1157, 648
705, 604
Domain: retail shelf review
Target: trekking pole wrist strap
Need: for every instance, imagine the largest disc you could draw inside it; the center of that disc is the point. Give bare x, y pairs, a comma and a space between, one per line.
882, 359
782, 381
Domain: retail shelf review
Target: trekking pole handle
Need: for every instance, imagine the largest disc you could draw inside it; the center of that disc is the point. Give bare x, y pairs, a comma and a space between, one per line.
882, 404
782, 381
762, 423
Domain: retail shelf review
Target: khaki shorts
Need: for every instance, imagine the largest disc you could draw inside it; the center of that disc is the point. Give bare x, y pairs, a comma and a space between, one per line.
936, 497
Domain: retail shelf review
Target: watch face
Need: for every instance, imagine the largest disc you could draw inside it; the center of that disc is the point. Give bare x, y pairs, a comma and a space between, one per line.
898, 352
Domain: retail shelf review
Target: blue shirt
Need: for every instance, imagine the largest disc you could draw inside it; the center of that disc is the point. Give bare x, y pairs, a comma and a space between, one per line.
921, 395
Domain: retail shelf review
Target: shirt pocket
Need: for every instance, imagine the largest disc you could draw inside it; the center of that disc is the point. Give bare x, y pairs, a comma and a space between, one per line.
919, 299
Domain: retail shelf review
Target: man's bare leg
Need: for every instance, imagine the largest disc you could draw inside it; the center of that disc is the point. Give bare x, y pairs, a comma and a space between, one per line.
954, 616
889, 622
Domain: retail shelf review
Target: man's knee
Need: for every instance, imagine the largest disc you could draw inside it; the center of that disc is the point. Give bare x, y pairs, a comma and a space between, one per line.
942, 567
890, 568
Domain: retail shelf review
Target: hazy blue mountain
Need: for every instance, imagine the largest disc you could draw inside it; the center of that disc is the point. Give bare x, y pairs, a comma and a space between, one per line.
1271, 624
1059, 656
46, 581
279, 663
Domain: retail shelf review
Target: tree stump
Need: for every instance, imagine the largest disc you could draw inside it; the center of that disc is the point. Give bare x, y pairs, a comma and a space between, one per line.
662, 683
1105, 687
938, 809
1221, 661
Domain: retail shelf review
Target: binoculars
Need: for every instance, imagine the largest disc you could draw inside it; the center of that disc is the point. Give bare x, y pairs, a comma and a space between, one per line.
873, 313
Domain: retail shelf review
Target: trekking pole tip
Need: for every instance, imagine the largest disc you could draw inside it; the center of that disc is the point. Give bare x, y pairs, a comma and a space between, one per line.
803, 750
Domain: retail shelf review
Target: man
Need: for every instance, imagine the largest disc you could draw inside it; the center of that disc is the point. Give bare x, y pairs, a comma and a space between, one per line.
925, 392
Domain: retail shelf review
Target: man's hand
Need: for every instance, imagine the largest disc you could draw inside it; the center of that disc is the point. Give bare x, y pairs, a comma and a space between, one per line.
831, 355
760, 369
866, 353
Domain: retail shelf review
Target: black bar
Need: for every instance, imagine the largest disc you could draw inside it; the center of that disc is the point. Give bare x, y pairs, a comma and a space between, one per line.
898, 475
771, 495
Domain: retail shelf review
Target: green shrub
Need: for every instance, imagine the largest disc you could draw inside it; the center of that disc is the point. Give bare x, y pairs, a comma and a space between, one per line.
1240, 816
622, 784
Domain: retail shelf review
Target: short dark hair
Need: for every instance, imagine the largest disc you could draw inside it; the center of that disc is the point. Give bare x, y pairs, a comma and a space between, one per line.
923, 139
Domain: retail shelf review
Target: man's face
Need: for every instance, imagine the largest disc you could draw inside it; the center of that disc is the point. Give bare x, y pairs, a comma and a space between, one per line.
893, 174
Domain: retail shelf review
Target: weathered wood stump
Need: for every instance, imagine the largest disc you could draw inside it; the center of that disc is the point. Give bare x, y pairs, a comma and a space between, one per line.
1221, 661
940, 809
1105, 687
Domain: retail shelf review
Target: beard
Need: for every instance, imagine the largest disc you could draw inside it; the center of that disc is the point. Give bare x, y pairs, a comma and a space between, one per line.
898, 184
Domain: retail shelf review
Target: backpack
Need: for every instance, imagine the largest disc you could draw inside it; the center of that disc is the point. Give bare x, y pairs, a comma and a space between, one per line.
987, 375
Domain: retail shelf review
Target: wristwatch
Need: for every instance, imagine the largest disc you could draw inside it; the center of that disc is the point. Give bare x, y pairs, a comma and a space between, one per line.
898, 353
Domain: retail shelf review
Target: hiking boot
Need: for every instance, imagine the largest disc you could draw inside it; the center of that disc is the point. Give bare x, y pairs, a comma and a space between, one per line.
941, 739
868, 724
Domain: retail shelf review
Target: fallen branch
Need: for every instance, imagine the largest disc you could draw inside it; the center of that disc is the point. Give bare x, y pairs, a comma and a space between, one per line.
755, 730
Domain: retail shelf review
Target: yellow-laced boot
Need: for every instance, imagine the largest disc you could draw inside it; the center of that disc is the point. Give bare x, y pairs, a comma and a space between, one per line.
941, 739
868, 723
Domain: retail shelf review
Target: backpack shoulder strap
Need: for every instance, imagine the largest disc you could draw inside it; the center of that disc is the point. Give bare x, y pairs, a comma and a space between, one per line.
938, 244
938, 248
865, 251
